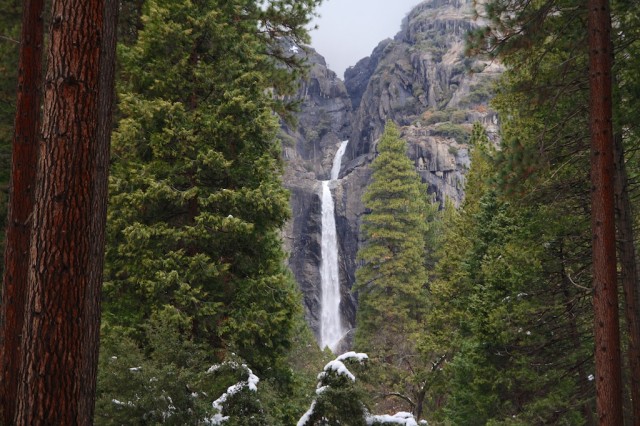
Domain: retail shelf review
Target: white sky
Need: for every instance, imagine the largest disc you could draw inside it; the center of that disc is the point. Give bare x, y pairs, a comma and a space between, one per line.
350, 29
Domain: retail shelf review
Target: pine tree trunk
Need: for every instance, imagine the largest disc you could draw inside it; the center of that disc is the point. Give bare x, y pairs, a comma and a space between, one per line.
605, 297
23, 177
57, 381
100, 154
629, 274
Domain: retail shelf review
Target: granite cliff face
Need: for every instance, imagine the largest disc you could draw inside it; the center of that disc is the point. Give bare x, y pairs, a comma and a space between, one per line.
420, 80
324, 121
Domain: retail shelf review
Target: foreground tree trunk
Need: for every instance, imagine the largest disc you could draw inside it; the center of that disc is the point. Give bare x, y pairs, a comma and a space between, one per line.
605, 296
100, 154
59, 336
23, 176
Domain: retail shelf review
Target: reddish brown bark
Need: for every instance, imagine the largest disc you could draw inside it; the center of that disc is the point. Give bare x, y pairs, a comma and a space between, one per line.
57, 380
605, 296
25, 138
100, 154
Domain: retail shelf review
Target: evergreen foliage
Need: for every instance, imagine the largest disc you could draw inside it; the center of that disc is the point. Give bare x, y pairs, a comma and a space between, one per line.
339, 399
195, 270
392, 279
9, 35
504, 312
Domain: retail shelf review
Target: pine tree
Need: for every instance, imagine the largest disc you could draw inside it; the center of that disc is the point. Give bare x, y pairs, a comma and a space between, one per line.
605, 298
197, 203
503, 310
559, 84
392, 279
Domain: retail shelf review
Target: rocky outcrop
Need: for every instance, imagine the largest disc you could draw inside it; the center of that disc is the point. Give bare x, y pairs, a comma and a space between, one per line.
420, 80
421, 69
357, 77
324, 120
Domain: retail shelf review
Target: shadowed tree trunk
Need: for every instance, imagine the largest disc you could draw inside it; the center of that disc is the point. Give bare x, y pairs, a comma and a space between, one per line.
100, 154
23, 176
629, 274
60, 332
605, 296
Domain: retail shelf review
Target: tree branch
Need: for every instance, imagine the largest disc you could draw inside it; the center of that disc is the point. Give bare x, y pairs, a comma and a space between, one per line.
403, 397
9, 39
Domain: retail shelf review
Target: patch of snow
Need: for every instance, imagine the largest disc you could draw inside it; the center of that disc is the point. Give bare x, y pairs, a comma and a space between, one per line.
360, 357
251, 383
401, 418
306, 416
340, 369
134, 369
232, 364
217, 419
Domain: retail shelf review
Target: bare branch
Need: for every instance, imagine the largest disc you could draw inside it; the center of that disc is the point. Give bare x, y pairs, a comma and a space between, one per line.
9, 39
401, 396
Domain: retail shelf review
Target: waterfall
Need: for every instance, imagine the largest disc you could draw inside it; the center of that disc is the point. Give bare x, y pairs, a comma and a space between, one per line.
331, 329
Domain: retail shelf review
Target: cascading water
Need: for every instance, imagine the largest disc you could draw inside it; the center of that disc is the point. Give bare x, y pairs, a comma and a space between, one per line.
331, 329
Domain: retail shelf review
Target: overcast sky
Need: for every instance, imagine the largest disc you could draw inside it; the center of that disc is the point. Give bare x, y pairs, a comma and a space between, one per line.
350, 29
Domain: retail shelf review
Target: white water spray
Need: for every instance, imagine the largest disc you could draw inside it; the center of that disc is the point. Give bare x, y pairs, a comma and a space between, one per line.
331, 329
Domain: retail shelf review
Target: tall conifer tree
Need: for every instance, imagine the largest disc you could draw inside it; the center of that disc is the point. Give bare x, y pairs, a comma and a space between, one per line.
194, 258
392, 280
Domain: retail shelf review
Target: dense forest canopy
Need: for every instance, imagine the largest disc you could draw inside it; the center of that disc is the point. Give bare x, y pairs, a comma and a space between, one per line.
482, 313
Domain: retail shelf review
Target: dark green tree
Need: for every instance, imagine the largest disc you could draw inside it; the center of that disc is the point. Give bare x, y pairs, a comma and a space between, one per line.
339, 396
392, 279
196, 197
504, 313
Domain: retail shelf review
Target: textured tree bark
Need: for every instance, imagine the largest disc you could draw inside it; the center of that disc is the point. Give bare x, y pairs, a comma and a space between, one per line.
23, 176
57, 379
605, 296
629, 274
100, 154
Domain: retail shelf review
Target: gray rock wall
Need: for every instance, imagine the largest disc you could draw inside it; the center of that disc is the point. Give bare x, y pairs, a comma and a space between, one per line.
420, 80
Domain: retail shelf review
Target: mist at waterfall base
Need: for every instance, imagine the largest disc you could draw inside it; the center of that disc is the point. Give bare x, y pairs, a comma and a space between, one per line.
331, 327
